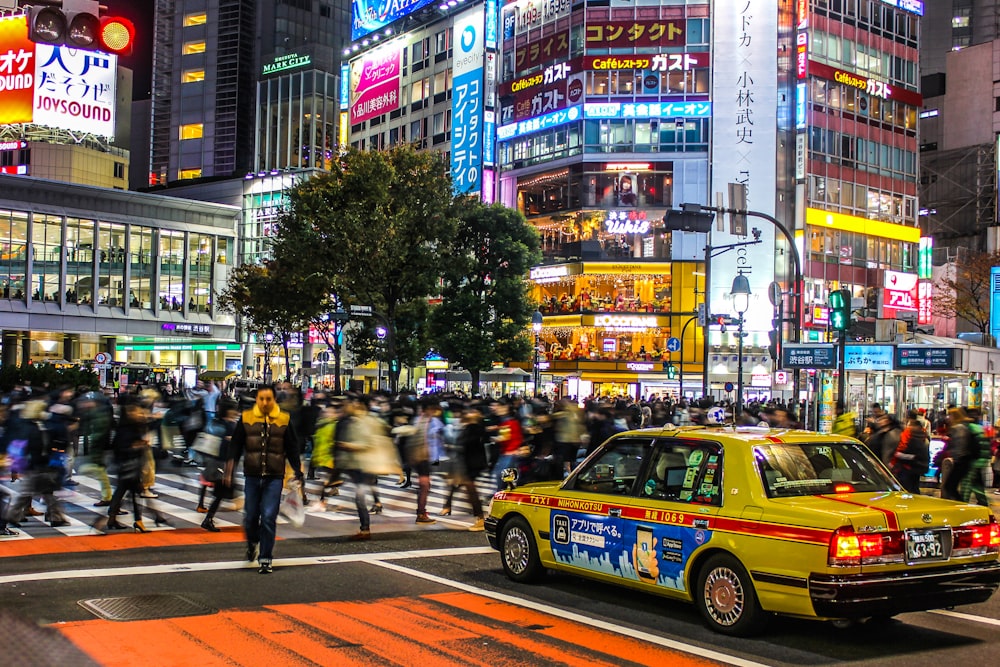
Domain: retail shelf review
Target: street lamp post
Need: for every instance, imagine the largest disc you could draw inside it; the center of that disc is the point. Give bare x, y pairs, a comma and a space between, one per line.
268, 342
741, 301
536, 326
680, 372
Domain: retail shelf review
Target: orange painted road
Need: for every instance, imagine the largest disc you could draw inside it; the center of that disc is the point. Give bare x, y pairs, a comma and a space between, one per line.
117, 541
430, 630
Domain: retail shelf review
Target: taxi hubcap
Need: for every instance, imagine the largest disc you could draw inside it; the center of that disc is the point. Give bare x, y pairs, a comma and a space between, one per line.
724, 596
516, 550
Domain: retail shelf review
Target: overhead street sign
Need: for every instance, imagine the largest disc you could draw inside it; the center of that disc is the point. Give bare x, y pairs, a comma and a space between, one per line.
808, 356
361, 311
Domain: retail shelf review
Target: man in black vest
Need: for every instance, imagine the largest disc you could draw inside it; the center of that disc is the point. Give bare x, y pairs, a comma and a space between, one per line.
264, 437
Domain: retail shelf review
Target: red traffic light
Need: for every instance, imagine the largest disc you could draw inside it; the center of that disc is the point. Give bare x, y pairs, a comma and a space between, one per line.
117, 35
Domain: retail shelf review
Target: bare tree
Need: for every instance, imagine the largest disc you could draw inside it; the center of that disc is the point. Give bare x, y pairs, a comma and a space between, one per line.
964, 291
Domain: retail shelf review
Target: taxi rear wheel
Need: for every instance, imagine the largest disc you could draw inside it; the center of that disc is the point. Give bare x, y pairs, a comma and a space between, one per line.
727, 599
519, 553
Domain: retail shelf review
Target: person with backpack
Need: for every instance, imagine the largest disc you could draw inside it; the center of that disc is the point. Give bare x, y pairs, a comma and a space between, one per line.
31, 449
911, 459
217, 469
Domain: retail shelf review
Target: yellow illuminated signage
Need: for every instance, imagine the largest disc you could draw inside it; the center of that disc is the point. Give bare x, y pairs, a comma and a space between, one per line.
618, 268
851, 223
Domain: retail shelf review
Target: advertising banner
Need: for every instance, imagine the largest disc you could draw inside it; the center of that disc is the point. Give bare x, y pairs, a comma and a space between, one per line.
868, 358
654, 32
53, 85
467, 102
995, 302
375, 83
367, 16
542, 50
744, 136
899, 293
523, 15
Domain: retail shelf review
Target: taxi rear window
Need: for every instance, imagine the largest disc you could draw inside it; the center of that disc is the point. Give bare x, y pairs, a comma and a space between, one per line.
791, 469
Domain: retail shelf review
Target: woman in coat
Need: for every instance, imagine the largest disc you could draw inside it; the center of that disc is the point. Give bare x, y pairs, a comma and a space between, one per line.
471, 449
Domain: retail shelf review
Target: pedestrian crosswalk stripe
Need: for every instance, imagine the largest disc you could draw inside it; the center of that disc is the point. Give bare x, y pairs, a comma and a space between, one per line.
178, 496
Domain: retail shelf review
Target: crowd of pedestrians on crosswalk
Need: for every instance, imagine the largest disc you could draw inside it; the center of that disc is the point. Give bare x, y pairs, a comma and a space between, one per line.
252, 448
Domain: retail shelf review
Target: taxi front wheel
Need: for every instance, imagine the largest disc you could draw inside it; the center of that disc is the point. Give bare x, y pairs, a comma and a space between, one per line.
727, 599
519, 553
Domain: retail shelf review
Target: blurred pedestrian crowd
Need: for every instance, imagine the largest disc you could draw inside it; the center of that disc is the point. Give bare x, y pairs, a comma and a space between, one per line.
283, 444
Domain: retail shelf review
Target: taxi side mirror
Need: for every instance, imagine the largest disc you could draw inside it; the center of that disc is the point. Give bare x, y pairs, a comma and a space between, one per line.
509, 478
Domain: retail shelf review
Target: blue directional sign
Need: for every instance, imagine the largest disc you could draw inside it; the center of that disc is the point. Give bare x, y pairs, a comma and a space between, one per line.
925, 357
808, 356
673, 344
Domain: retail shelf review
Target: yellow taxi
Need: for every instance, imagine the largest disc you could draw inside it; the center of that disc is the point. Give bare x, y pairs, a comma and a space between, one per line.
748, 523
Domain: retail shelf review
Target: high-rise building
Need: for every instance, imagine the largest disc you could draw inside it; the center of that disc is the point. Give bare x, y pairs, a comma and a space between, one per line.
610, 114
241, 86
960, 51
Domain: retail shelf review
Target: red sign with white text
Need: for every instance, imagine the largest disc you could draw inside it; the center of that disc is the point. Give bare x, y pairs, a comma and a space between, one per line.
899, 294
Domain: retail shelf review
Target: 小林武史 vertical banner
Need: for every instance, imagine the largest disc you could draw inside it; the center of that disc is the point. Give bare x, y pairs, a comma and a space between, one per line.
744, 143
467, 102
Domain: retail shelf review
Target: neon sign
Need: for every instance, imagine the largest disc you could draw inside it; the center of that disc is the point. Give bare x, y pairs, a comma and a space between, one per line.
626, 222
544, 122
647, 110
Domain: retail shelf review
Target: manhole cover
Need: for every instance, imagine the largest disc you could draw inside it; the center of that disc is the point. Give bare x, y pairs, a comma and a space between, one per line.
145, 607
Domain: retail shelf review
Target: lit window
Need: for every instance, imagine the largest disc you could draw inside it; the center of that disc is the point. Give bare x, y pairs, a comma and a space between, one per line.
189, 173
960, 22
192, 131
193, 47
192, 75
201, 18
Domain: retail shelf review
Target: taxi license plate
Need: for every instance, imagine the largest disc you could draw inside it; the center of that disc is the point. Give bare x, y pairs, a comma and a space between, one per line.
924, 545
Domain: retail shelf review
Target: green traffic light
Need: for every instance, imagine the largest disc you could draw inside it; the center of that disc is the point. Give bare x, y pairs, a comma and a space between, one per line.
840, 309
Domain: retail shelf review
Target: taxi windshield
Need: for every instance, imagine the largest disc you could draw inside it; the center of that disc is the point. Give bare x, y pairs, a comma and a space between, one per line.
791, 469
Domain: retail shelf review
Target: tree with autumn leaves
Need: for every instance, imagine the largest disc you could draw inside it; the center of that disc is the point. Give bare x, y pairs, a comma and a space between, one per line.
964, 291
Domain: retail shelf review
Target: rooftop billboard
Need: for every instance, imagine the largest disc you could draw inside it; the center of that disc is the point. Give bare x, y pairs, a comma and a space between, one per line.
368, 16
54, 86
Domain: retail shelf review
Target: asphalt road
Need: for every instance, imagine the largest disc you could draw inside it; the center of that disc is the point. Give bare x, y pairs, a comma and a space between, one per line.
409, 597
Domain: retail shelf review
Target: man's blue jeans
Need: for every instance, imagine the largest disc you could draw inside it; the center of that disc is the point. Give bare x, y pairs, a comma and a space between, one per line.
263, 496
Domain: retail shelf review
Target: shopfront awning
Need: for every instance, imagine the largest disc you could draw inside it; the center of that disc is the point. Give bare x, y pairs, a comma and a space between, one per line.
505, 375
216, 376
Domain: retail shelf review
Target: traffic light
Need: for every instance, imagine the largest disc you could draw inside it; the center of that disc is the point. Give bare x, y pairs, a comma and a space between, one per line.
690, 218
394, 366
671, 371
774, 337
840, 309
81, 30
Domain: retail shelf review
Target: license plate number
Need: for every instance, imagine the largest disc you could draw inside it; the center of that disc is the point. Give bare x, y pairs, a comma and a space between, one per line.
925, 545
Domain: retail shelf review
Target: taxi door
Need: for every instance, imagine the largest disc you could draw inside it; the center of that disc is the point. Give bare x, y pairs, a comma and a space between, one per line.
670, 517
586, 517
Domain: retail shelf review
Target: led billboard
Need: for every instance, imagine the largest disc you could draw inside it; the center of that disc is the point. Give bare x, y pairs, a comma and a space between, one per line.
367, 16
55, 86
467, 102
375, 82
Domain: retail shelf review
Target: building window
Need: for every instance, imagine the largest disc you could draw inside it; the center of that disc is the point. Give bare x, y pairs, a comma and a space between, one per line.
170, 291
192, 75
199, 18
119, 170
141, 256
189, 173
192, 131
193, 47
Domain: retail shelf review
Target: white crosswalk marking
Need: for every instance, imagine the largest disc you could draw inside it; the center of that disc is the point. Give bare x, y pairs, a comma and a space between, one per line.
178, 497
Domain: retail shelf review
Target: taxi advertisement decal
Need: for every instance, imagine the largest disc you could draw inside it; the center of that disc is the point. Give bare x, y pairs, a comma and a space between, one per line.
588, 541
659, 553
651, 553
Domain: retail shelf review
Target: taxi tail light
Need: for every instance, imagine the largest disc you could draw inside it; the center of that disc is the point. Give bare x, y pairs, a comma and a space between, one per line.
979, 539
851, 549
